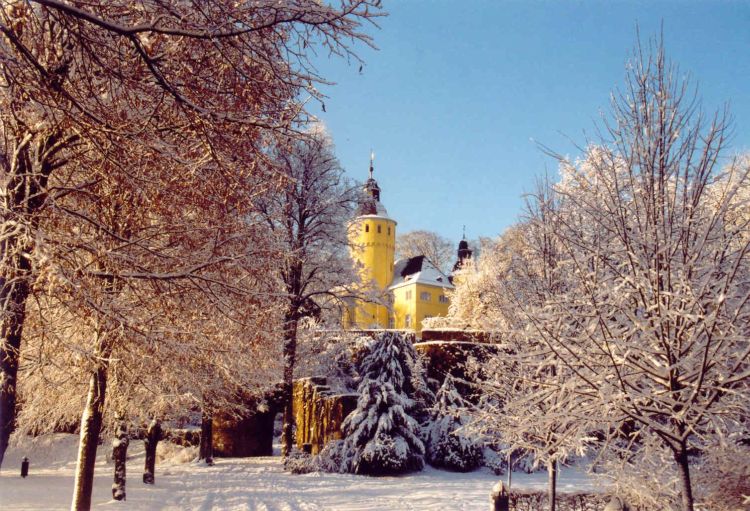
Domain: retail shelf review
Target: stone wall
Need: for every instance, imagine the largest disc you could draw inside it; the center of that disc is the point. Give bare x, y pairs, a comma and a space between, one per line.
319, 412
457, 335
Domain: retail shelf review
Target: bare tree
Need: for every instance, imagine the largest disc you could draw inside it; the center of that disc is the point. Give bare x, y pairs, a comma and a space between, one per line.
654, 324
528, 405
438, 250
309, 221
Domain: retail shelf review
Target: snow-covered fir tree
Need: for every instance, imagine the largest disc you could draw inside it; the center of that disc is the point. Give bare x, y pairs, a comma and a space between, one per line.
382, 436
448, 446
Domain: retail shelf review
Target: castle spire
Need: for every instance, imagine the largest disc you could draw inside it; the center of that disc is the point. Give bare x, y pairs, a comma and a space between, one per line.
370, 200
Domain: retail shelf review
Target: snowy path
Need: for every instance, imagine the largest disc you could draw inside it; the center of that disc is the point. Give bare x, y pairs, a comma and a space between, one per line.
246, 484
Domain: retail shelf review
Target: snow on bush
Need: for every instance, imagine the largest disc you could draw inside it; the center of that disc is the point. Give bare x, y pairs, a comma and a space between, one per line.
327, 460
381, 435
298, 462
168, 452
534, 501
496, 459
448, 445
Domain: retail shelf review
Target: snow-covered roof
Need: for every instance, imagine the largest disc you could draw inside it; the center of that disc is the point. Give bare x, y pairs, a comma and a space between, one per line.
378, 210
418, 270
371, 207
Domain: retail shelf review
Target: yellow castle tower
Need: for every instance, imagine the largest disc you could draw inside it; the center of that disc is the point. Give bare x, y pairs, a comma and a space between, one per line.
372, 243
399, 294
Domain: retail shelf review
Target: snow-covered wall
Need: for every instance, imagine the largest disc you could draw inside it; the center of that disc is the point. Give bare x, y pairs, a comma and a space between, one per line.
460, 335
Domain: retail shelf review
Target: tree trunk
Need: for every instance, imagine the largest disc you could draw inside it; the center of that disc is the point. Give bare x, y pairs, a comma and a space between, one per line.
510, 469
120, 455
290, 353
206, 450
153, 435
23, 196
683, 468
552, 488
13, 295
91, 426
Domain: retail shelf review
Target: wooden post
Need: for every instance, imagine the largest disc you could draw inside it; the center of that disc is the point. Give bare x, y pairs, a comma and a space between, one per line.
499, 498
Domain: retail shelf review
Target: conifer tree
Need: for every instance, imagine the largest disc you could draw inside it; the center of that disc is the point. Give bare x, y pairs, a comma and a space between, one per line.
448, 445
382, 437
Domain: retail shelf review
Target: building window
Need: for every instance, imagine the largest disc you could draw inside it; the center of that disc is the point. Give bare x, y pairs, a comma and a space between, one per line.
407, 321
391, 323
378, 228
408, 295
389, 231
367, 227
443, 299
425, 296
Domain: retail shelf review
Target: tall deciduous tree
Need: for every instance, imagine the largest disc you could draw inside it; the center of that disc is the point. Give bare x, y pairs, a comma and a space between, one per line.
527, 395
308, 219
650, 319
658, 277
92, 90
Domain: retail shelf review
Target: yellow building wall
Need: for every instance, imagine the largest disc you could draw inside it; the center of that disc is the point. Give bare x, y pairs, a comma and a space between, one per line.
372, 244
407, 300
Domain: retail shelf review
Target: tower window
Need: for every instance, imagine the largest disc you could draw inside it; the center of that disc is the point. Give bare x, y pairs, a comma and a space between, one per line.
389, 231
408, 295
367, 227
443, 299
378, 229
425, 296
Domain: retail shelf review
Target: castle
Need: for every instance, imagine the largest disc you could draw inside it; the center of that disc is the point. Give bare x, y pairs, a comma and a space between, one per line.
401, 294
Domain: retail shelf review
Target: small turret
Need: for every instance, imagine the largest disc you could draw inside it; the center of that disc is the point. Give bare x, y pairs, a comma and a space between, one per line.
464, 253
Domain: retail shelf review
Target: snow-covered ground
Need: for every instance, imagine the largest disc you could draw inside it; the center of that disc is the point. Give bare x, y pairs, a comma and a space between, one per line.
244, 484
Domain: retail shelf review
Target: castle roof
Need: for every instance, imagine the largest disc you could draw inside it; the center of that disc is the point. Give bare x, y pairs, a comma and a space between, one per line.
368, 205
418, 270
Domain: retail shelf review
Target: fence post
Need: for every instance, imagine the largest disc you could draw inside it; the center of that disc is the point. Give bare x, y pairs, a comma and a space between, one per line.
615, 504
500, 498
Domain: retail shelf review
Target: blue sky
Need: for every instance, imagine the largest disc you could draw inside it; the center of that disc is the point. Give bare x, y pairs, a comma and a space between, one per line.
459, 93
